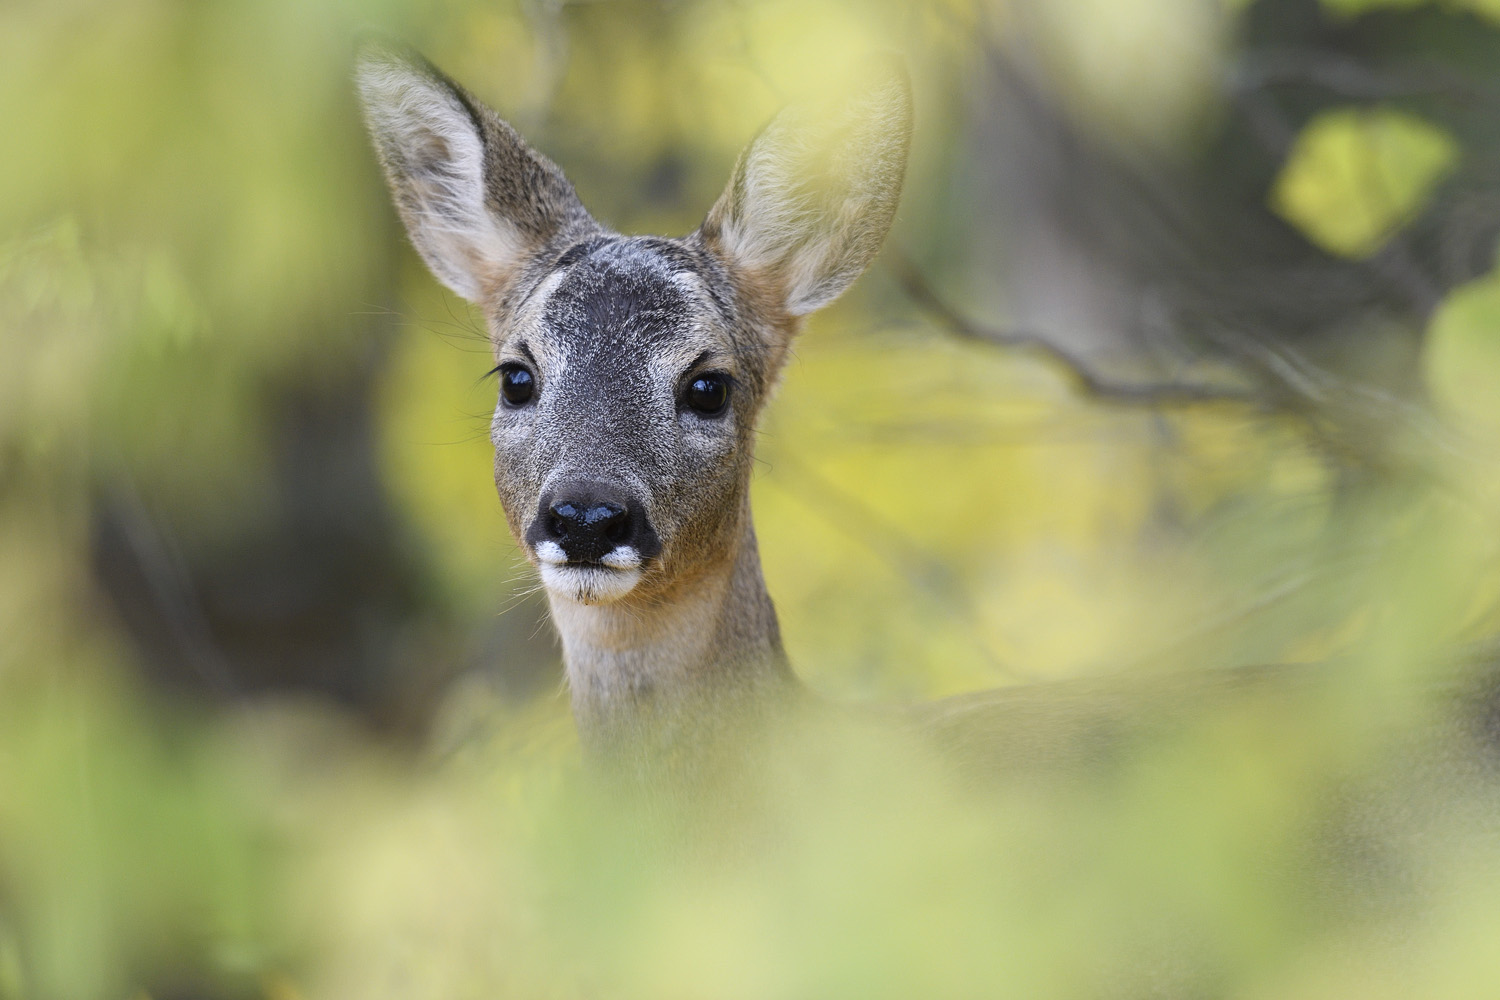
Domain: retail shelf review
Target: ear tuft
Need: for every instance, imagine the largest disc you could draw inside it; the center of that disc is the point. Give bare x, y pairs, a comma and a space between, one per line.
813, 197
477, 202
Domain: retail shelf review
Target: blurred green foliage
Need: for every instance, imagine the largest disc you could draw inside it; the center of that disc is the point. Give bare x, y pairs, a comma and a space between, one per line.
1355, 176
193, 232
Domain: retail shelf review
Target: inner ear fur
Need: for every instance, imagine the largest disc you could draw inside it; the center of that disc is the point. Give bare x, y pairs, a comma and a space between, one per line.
477, 201
813, 196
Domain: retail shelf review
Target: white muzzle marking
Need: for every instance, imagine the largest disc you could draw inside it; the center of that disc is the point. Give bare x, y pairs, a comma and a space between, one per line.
622, 557
597, 584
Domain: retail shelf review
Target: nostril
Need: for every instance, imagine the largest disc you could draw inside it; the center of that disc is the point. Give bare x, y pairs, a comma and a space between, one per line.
562, 517
610, 521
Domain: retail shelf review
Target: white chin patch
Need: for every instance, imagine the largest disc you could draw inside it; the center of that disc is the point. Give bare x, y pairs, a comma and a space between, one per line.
589, 584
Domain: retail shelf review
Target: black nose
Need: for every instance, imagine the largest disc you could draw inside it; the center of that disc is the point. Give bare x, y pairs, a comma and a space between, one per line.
588, 530
590, 522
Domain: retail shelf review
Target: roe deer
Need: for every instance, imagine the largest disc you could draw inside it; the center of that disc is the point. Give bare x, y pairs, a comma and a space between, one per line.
632, 372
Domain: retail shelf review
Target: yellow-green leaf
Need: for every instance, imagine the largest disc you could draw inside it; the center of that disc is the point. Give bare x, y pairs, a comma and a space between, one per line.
1463, 357
1354, 176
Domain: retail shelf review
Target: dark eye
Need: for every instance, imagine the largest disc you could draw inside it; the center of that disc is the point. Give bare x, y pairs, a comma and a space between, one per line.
517, 385
707, 395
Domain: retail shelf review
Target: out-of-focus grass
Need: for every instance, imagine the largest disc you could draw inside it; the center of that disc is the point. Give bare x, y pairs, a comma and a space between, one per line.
1299, 843
190, 222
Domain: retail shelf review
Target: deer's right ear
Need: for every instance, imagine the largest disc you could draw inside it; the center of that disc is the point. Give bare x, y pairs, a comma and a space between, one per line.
477, 202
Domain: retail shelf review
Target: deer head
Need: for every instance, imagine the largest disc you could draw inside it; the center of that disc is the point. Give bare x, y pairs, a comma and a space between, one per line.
632, 370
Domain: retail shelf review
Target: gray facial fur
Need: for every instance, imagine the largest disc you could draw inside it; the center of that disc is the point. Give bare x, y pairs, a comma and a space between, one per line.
612, 334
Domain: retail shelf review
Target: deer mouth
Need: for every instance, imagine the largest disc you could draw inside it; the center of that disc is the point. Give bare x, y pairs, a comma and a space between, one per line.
589, 581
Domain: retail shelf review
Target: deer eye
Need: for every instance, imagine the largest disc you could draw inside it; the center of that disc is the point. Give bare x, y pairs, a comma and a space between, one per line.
707, 395
517, 384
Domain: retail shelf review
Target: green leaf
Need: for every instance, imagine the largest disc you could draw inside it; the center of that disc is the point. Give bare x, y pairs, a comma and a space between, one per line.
1355, 176
1463, 357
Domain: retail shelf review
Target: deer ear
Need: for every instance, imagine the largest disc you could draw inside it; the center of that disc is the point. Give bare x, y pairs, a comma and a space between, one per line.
477, 202
812, 198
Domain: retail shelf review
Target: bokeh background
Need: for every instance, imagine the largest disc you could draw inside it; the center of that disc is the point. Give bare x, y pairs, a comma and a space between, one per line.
1183, 354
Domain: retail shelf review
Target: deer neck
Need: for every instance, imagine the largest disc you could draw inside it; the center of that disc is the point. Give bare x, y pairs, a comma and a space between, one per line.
666, 668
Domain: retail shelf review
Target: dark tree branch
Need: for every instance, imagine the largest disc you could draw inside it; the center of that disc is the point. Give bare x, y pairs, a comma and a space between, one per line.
1085, 379
1297, 387
1350, 78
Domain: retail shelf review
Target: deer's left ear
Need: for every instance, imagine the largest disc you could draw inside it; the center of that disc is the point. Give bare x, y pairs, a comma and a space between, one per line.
813, 197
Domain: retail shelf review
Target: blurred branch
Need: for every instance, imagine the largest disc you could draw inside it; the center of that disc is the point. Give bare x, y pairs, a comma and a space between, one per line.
1296, 386
1086, 380
132, 535
1349, 78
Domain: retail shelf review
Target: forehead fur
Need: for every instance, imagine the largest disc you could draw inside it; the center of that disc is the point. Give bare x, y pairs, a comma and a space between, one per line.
613, 290
647, 292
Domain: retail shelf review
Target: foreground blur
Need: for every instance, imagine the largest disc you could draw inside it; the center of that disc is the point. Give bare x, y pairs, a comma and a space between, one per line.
279, 708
